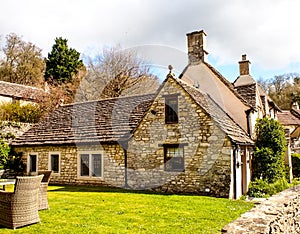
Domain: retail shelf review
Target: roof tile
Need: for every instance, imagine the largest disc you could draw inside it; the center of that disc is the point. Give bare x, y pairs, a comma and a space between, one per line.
106, 120
19, 91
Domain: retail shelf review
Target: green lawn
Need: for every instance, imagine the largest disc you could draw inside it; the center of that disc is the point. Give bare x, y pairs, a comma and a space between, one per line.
100, 210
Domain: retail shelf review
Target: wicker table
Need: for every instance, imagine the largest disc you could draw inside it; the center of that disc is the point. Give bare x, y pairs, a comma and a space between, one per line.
4, 182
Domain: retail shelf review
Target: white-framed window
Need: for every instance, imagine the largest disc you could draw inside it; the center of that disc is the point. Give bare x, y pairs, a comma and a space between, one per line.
90, 164
54, 162
32, 162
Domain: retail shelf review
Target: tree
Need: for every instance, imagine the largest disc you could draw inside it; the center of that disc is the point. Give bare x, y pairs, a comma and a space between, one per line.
283, 89
268, 158
22, 63
62, 63
116, 72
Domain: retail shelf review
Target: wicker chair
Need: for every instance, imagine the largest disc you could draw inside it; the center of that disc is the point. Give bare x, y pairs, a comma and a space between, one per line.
43, 199
20, 208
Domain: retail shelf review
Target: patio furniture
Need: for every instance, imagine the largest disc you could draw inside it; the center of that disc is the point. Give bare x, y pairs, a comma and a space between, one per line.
43, 198
4, 182
20, 208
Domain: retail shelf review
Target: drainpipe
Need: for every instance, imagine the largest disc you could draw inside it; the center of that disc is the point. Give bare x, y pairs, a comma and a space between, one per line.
234, 173
125, 169
235, 150
124, 145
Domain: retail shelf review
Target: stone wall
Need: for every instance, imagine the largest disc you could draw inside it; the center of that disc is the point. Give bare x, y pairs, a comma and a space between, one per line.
277, 214
11, 130
113, 163
207, 150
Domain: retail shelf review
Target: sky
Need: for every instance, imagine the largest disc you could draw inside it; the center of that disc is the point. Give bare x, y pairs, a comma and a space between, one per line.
268, 31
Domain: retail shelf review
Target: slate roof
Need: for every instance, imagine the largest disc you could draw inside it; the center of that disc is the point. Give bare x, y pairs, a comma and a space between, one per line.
287, 118
244, 80
113, 120
227, 83
210, 81
248, 92
19, 91
230, 86
223, 120
108, 120
295, 112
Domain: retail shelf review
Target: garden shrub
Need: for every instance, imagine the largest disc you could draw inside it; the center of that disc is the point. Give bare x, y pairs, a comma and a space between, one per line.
9, 159
4, 151
262, 188
280, 185
296, 165
15, 162
258, 188
268, 157
15, 112
296, 181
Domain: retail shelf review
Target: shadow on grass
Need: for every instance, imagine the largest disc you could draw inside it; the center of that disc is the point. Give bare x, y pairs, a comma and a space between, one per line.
105, 189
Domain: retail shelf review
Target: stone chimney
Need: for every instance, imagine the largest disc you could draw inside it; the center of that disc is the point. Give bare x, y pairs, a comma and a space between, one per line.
244, 66
197, 47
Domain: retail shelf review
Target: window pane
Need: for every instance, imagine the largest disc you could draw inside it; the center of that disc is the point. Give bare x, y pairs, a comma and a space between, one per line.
55, 163
96, 164
171, 110
174, 158
84, 165
32, 163
176, 163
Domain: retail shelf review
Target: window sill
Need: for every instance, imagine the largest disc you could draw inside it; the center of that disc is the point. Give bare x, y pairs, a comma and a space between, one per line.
175, 171
89, 178
171, 122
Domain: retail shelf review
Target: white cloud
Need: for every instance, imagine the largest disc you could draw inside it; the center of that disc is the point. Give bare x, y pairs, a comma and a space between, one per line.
266, 30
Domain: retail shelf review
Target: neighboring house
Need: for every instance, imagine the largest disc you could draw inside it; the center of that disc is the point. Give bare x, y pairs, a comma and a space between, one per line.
195, 135
12, 92
295, 131
290, 120
244, 99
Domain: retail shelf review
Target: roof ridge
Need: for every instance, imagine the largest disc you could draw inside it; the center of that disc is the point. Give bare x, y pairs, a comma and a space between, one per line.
227, 83
107, 99
242, 76
21, 85
89, 124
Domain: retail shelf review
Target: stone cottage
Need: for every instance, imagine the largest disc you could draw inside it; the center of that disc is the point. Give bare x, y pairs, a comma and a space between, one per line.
12, 92
194, 135
290, 119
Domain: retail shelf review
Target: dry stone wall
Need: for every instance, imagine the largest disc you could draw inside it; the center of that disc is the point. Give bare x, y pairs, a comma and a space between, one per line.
277, 214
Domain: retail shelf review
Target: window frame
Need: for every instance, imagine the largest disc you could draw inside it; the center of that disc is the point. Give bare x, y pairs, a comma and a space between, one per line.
171, 115
167, 159
29, 162
90, 158
50, 161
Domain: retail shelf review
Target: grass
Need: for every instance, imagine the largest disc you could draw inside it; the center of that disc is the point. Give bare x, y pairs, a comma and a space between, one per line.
77, 209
